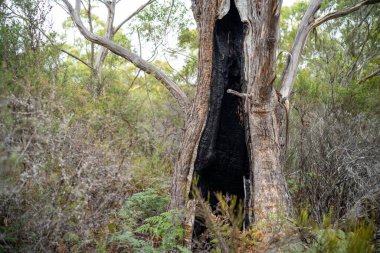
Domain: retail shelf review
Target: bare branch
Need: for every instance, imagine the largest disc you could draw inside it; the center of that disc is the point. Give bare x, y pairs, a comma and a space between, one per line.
238, 94
180, 96
103, 52
284, 52
105, 3
133, 14
77, 7
89, 14
342, 13
307, 24
66, 52
76, 58
373, 74
290, 70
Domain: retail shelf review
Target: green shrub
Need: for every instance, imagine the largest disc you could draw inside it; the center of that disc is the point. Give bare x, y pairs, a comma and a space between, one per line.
142, 205
340, 241
145, 225
166, 228
333, 238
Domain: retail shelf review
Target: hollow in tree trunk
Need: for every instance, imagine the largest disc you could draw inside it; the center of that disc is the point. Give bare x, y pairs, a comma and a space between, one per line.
235, 138
236, 129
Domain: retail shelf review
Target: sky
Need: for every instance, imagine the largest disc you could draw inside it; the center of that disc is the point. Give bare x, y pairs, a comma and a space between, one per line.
58, 15
123, 9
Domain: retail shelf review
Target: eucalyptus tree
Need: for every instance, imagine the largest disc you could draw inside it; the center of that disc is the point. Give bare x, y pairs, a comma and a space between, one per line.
97, 58
236, 130
349, 46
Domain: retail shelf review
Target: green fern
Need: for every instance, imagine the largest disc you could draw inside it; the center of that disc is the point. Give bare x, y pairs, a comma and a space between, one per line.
143, 205
147, 228
165, 227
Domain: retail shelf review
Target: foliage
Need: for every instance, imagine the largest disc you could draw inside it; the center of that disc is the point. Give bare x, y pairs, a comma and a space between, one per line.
142, 205
166, 31
222, 226
146, 228
333, 141
69, 161
336, 240
167, 228
332, 155
328, 237
160, 20
80, 173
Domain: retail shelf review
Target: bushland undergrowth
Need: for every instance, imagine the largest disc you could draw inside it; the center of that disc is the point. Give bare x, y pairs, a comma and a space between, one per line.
91, 174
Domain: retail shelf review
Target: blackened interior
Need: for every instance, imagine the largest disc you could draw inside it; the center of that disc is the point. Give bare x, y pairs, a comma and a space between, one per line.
222, 159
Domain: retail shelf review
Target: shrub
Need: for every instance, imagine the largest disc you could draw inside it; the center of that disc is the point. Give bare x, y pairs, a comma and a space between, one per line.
145, 227
333, 161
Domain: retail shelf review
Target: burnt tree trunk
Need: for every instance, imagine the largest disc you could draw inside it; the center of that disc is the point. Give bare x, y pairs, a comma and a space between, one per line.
236, 129
236, 132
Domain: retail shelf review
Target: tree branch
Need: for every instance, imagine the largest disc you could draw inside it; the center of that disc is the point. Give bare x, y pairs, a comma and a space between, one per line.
132, 15
89, 14
103, 52
290, 70
76, 58
105, 3
373, 74
342, 13
180, 96
308, 22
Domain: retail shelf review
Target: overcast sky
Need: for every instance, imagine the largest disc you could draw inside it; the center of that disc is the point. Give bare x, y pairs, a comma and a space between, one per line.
124, 8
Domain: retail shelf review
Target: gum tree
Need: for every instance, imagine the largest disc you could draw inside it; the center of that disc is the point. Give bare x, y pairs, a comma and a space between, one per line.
236, 130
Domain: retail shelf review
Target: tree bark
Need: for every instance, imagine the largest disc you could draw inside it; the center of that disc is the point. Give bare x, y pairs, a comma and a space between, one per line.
103, 52
265, 111
265, 116
236, 132
205, 13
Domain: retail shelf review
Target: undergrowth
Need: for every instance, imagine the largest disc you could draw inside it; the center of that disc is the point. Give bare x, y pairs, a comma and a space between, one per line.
224, 231
145, 226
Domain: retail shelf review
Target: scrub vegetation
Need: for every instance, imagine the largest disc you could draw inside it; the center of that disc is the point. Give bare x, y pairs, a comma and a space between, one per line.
87, 158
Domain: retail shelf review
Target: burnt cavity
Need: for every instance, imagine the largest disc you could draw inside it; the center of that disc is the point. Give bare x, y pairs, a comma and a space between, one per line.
222, 159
